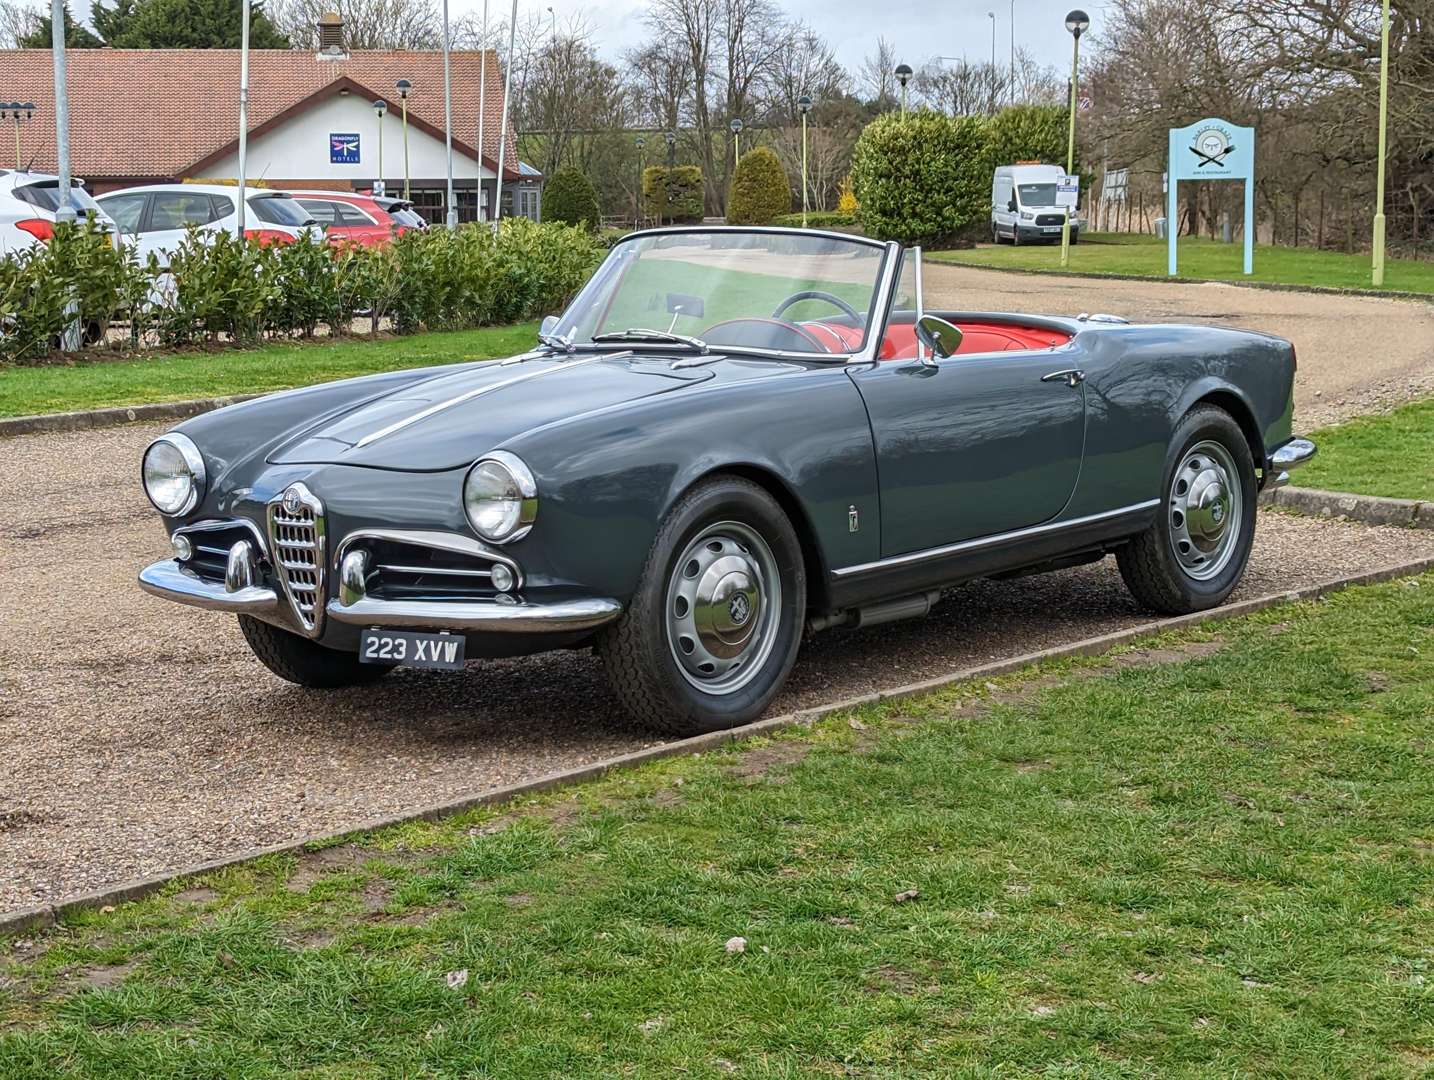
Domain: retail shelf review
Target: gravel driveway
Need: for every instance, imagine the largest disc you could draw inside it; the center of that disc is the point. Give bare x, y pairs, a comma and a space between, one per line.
141, 736
1356, 354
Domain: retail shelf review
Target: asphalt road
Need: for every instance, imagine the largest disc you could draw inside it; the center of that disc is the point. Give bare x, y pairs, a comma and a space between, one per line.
141, 737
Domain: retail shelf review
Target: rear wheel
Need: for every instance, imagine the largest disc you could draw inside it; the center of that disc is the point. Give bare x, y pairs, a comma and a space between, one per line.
714, 627
299, 660
1195, 554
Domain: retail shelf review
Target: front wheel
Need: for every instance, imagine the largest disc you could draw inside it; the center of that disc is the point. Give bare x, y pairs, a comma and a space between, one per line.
298, 660
713, 629
1195, 554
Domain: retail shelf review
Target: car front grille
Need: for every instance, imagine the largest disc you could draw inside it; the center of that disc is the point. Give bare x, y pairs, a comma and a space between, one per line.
1049, 219
296, 541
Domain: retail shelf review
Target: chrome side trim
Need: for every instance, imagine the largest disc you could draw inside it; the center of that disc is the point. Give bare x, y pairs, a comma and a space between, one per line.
469, 395
478, 615
172, 581
995, 540
215, 524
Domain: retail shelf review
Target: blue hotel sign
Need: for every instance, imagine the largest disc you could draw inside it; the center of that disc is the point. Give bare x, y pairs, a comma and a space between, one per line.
344, 149
1212, 150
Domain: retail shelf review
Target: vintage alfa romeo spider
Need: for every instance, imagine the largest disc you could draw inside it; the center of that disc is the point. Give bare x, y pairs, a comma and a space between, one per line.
731, 438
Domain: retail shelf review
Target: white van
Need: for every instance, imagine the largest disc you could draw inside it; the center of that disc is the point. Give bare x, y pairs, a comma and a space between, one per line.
1024, 207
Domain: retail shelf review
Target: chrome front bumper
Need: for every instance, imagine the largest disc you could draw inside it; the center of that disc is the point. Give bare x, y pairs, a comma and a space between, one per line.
172, 581
1287, 456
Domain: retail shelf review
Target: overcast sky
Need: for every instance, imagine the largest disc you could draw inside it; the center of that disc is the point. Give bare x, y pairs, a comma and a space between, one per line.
918, 30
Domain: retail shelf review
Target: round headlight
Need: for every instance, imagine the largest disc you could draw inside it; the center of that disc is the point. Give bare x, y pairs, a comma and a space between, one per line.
500, 497
173, 474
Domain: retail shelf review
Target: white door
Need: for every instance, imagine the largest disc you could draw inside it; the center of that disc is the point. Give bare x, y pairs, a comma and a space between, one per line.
171, 215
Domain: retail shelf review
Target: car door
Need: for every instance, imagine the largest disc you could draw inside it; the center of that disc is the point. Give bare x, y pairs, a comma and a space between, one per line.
171, 214
973, 445
126, 209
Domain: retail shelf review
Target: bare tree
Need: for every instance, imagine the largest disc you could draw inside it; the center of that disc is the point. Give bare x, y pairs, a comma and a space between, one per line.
960, 87
802, 63
368, 24
17, 20
660, 77
876, 78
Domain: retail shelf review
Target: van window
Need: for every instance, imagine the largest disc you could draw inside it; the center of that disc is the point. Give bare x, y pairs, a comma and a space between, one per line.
1037, 194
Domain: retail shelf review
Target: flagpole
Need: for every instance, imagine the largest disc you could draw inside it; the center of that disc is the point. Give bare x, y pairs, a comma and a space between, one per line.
503, 127
452, 216
482, 107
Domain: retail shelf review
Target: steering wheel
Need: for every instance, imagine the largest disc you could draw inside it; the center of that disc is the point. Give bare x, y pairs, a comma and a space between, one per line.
817, 294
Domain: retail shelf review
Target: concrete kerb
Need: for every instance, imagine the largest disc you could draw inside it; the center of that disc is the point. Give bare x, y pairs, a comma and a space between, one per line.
123, 414
1366, 509
24, 921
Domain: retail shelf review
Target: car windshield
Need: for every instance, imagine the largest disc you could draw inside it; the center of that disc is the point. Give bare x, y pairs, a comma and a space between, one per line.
762, 290
280, 210
1038, 194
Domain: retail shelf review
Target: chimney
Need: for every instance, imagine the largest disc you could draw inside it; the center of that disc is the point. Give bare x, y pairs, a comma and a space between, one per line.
331, 37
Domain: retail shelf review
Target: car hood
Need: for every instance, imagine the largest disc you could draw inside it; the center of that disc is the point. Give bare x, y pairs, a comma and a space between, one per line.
447, 421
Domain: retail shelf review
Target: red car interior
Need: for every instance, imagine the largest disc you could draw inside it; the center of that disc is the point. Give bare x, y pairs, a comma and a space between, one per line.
899, 342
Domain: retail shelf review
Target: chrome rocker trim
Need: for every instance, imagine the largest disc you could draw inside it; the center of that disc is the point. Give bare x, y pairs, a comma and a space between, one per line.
1287, 456
478, 615
172, 581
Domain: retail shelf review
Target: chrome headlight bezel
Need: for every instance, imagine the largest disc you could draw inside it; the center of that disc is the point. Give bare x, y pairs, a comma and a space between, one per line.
194, 466
501, 469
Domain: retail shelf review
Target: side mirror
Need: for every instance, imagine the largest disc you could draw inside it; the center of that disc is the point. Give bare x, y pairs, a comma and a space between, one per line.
549, 325
1011, 206
938, 335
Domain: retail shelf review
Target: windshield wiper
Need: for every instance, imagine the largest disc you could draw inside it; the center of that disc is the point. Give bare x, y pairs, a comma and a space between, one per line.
638, 333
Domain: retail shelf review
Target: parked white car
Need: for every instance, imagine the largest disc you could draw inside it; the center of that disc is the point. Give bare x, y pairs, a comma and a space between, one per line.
28, 201
156, 218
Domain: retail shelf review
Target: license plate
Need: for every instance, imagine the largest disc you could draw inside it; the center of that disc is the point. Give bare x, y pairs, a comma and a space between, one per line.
407, 649
1051, 228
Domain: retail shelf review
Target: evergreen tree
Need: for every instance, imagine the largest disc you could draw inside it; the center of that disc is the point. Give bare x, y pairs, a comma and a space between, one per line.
110, 22
192, 24
571, 199
76, 35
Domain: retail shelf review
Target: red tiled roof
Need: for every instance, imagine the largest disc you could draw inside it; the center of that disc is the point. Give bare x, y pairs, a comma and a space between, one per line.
142, 113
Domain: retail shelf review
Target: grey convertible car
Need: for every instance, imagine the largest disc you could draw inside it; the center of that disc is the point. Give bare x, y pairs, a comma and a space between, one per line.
731, 438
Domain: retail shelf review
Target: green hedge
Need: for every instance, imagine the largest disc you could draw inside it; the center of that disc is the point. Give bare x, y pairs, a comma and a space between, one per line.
223, 290
673, 195
818, 219
760, 189
924, 177
571, 199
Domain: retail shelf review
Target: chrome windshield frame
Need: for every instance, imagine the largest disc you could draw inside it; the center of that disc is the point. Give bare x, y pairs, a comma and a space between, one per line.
885, 285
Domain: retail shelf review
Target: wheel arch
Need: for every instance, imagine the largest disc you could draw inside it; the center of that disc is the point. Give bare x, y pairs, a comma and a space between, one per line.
1228, 399
818, 593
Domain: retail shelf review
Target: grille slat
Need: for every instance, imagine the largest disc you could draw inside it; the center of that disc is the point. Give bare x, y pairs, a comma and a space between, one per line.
297, 538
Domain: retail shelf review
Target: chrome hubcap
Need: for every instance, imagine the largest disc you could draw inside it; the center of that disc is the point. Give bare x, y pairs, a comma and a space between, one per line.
723, 605
1205, 510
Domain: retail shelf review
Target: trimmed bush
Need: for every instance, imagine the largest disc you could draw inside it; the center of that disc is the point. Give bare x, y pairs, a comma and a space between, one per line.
571, 199
760, 189
818, 219
1028, 133
920, 178
220, 289
673, 195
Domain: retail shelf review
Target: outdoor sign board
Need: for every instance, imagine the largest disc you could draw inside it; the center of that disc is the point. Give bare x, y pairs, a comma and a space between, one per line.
1212, 150
1068, 191
1115, 185
344, 148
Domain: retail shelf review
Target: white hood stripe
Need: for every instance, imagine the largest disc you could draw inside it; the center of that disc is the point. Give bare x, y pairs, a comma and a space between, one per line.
438, 407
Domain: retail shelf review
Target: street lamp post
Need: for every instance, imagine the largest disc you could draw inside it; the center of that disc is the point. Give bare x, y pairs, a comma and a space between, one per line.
450, 216
503, 121
995, 95
18, 111
403, 86
804, 106
379, 108
736, 126
243, 113
1378, 244
479, 212
640, 142
903, 76
1077, 22
65, 207
1012, 94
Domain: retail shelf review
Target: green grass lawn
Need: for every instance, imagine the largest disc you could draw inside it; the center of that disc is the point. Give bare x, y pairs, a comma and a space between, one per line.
1390, 455
95, 384
1145, 256
1220, 865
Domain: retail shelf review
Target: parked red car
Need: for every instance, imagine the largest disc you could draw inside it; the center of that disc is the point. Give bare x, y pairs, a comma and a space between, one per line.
350, 217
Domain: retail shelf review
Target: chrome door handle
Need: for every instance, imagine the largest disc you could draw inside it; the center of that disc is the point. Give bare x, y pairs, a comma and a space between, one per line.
1070, 376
